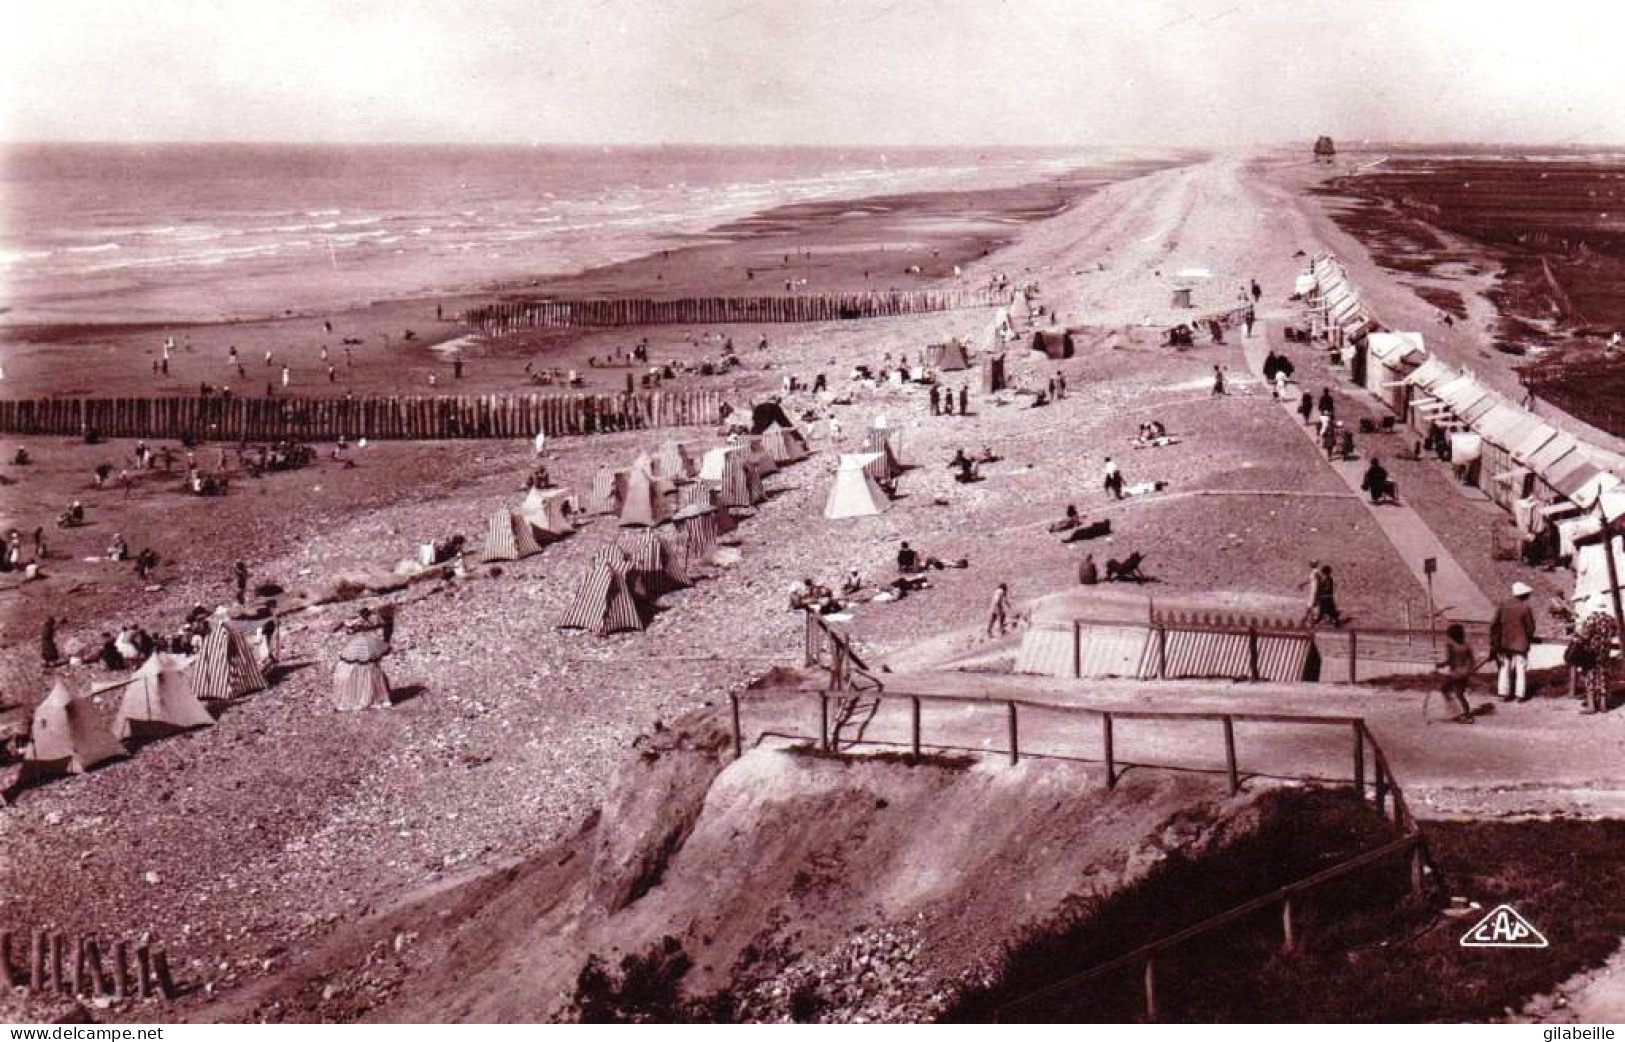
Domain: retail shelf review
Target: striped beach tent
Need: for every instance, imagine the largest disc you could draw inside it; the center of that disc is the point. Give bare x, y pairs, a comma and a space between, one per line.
785, 443
158, 701
675, 460
225, 668
68, 736
759, 456
358, 679
547, 511
508, 537
738, 484
647, 500
879, 442
657, 561
608, 491
698, 529
603, 603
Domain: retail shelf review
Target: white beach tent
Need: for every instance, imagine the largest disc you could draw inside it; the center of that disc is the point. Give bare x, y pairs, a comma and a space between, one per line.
545, 509
158, 700
855, 492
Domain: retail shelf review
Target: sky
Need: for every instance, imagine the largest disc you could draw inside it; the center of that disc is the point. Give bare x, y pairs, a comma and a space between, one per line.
884, 72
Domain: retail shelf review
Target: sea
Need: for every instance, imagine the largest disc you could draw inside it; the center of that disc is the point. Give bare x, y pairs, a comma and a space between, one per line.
213, 232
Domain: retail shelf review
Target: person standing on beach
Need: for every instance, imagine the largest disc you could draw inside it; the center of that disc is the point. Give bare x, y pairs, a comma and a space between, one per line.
999, 611
1512, 634
964, 408
240, 575
267, 358
49, 654
286, 376
1218, 380
935, 400
834, 429
1113, 479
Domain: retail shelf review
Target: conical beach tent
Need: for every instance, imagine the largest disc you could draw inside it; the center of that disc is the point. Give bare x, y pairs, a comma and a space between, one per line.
697, 527
358, 679
508, 537
948, 358
760, 457
657, 561
68, 736
855, 492
647, 501
608, 491
786, 444
675, 461
603, 603
544, 508
879, 443
158, 701
738, 484
224, 668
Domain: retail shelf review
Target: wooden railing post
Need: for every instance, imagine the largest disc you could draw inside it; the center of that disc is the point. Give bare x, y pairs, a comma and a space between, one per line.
914, 726
1150, 989
1077, 648
823, 721
1162, 652
1230, 755
739, 744
1111, 759
1359, 761
1354, 656
1252, 653
1015, 752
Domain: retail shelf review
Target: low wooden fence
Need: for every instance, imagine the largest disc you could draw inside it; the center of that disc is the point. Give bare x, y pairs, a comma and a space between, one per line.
54, 965
515, 316
382, 417
1372, 779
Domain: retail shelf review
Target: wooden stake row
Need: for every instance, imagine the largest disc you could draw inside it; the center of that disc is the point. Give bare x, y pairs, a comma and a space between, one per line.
54, 965
217, 418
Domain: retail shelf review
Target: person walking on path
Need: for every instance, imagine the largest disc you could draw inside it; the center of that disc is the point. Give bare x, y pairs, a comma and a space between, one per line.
1306, 407
1328, 407
240, 574
999, 611
1280, 385
1218, 379
1512, 634
1459, 663
1323, 597
1591, 653
1247, 319
1258, 292
935, 400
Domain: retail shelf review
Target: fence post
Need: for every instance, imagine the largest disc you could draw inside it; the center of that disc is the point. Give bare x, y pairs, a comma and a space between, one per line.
1111, 760
1252, 652
1015, 753
1077, 648
733, 699
823, 721
7, 977
1230, 755
1150, 989
1359, 760
160, 969
1288, 941
1354, 656
1162, 652
914, 725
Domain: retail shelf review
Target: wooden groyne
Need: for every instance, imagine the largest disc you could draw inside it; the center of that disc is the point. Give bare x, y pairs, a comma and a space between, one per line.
514, 316
379, 417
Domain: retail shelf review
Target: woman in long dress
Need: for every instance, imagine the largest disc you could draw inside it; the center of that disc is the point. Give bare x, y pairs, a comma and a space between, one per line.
358, 679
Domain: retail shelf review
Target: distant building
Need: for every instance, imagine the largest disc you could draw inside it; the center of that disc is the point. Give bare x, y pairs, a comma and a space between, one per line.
1325, 151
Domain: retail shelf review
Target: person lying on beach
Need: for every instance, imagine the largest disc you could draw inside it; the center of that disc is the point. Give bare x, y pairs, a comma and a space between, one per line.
1067, 523
1090, 530
1143, 488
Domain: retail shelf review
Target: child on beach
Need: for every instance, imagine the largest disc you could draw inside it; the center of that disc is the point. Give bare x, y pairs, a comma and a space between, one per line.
1459, 663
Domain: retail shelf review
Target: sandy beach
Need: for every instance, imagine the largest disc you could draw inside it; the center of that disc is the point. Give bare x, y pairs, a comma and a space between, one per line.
249, 845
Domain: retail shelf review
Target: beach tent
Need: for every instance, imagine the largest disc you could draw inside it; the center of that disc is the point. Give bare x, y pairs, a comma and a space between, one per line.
879, 444
608, 490
950, 357
647, 500
999, 331
765, 414
993, 374
603, 602
855, 492
1054, 344
657, 561
225, 668
674, 461
702, 495
697, 528
786, 444
358, 679
68, 736
1020, 309
158, 701
737, 483
547, 510
508, 537
759, 456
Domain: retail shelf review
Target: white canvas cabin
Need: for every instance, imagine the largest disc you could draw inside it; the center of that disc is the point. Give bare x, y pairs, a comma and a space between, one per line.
546, 510
68, 736
158, 701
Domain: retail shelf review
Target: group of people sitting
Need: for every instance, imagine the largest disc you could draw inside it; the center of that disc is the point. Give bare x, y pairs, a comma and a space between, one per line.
969, 469
1153, 435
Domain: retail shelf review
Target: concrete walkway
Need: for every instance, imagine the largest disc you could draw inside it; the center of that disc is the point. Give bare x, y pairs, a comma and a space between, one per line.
1455, 595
